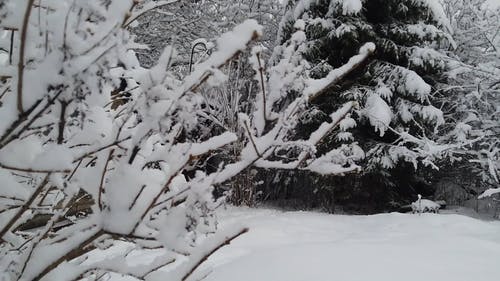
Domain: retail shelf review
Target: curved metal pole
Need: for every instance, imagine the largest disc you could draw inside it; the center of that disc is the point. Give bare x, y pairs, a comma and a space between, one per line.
192, 53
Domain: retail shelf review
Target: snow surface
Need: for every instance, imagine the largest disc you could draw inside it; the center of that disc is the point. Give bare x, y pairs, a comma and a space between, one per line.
491, 5
300, 246
309, 246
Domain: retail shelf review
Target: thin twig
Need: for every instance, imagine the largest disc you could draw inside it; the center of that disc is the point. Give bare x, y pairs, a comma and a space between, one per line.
101, 184
261, 72
156, 268
4, 92
74, 170
32, 170
23, 117
22, 50
131, 18
129, 12
11, 48
100, 149
25, 207
18, 122
62, 121
75, 252
11, 198
137, 197
251, 138
205, 257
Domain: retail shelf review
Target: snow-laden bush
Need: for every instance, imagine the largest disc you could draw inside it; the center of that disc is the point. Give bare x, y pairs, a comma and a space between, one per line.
475, 73
82, 120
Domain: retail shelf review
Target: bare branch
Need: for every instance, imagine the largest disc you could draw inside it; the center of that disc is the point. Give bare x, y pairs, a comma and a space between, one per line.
211, 252
117, 142
22, 50
263, 88
33, 170
5, 139
155, 5
24, 207
74, 252
62, 121
250, 136
101, 184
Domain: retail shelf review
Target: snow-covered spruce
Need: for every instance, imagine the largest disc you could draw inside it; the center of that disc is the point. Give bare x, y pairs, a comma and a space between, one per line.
399, 123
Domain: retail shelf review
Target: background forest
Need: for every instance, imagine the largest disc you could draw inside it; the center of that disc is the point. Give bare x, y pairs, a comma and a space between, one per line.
435, 68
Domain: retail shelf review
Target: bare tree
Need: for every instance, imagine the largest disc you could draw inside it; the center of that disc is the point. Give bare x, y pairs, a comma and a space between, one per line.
475, 72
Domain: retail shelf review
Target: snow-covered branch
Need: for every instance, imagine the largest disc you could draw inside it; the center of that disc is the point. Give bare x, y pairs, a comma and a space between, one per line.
126, 161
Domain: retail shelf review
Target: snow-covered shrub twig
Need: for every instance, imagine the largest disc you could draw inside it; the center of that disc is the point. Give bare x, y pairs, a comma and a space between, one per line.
58, 131
64, 137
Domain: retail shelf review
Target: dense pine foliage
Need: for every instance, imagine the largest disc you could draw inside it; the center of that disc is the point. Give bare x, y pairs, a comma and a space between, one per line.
400, 124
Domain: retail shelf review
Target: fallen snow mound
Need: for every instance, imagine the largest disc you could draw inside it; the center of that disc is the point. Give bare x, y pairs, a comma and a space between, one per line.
425, 206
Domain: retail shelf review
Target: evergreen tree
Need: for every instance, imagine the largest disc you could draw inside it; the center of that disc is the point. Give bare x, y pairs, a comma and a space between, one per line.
399, 119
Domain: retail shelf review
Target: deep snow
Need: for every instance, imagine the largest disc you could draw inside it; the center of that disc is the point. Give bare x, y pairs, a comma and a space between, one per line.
308, 246
311, 246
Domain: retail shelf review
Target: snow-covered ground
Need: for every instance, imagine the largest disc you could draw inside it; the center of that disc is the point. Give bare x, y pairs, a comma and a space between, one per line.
308, 246
311, 246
